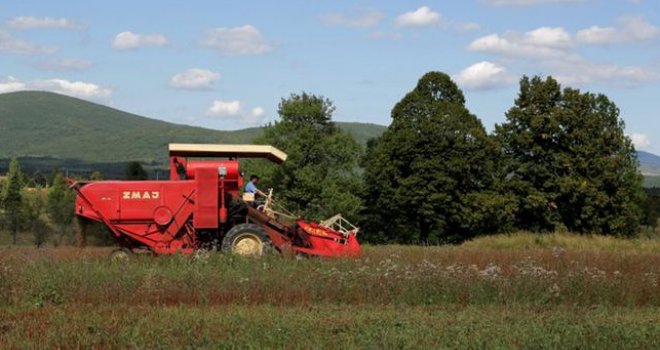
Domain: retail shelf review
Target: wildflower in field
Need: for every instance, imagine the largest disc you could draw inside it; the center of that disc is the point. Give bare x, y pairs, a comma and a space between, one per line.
491, 272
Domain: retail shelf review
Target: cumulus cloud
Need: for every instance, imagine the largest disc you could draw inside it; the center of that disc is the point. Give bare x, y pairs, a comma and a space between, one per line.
368, 18
543, 42
244, 40
483, 76
64, 65
233, 110
580, 71
10, 44
628, 29
558, 52
421, 17
195, 79
29, 22
129, 40
641, 141
11, 84
530, 2
424, 17
224, 108
78, 89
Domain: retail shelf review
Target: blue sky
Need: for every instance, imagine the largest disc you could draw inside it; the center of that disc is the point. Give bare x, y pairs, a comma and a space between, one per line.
226, 64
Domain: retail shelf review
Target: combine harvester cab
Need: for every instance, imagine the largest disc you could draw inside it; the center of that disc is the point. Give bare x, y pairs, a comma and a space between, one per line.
202, 207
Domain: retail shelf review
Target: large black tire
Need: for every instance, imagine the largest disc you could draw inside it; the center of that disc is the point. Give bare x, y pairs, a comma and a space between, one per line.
247, 240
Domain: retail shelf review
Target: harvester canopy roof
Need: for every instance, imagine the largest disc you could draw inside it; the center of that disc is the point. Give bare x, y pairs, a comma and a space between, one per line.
238, 151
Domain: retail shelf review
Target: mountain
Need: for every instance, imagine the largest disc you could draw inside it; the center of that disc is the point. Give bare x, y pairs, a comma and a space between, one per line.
649, 163
47, 127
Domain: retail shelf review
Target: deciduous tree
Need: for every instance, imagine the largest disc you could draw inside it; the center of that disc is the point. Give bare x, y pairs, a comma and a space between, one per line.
432, 176
569, 162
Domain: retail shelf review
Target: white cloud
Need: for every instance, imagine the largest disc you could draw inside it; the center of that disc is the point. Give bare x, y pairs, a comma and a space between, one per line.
484, 75
543, 42
64, 65
9, 44
78, 89
233, 110
369, 18
129, 40
29, 22
547, 36
244, 40
257, 112
641, 141
596, 35
11, 84
421, 17
629, 29
530, 2
556, 51
579, 71
224, 108
195, 79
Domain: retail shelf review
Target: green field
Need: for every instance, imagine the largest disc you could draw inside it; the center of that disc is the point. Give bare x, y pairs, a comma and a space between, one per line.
566, 294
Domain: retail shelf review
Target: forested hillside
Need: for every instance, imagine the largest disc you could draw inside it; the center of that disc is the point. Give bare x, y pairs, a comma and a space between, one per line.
49, 130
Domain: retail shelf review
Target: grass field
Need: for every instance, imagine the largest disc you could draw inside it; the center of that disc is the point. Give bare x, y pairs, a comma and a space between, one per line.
480, 295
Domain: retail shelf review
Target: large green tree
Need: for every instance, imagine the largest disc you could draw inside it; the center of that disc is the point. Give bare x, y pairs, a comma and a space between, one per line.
12, 199
569, 162
321, 175
433, 175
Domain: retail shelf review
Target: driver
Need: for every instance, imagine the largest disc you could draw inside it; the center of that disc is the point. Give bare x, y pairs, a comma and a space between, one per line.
251, 186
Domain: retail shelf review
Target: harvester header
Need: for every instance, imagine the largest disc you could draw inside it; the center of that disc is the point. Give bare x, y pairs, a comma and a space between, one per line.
202, 207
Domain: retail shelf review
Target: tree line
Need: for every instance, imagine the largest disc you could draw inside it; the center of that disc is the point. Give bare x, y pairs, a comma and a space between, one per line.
44, 206
559, 162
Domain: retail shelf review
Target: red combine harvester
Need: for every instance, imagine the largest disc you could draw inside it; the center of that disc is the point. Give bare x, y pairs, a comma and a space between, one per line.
201, 207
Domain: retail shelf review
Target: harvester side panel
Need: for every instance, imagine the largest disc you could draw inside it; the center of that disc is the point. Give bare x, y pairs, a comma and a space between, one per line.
206, 201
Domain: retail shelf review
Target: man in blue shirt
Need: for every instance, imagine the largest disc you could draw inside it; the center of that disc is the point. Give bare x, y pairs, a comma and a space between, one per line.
251, 186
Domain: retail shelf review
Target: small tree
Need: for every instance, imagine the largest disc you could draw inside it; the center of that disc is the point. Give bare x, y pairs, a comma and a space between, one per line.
96, 176
12, 199
60, 205
33, 205
135, 171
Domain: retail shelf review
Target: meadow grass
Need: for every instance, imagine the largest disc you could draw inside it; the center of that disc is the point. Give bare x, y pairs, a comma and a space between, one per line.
526, 240
549, 296
328, 326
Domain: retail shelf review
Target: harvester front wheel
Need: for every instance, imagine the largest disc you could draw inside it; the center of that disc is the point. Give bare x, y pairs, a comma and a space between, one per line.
121, 255
247, 240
